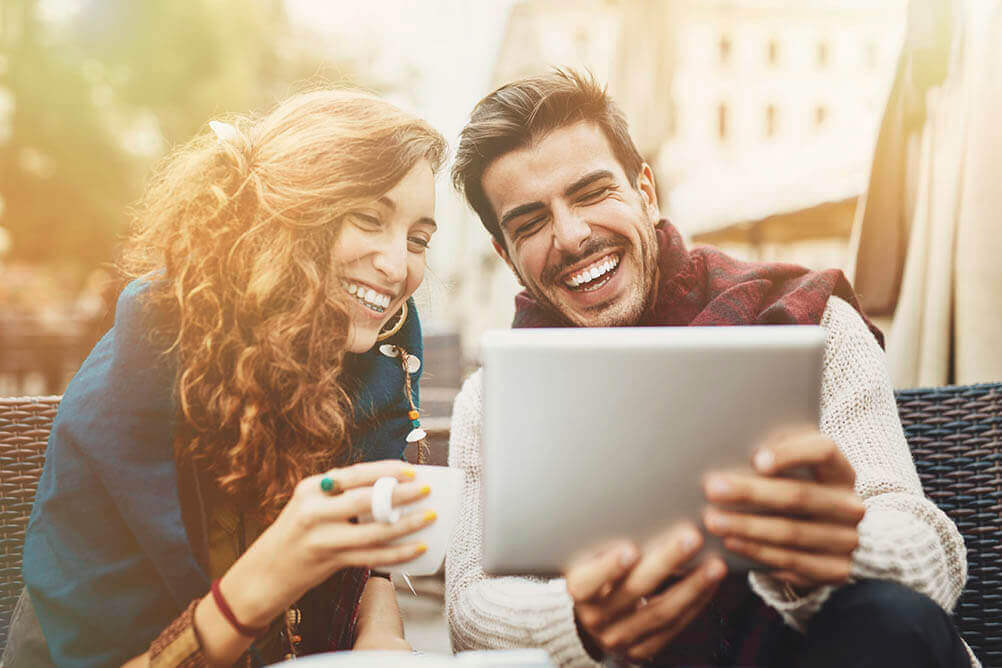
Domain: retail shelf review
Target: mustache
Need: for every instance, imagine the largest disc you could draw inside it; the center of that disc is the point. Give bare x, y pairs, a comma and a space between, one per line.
567, 260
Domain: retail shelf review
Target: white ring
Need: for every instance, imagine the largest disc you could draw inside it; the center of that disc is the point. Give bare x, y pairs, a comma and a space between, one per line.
382, 500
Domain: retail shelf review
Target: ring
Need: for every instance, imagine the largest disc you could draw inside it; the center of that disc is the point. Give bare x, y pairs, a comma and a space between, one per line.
330, 486
382, 501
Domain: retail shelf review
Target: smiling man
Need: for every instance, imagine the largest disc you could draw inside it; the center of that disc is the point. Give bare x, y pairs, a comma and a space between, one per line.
865, 569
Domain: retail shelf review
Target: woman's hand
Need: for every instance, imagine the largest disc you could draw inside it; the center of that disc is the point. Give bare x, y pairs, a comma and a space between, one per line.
313, 537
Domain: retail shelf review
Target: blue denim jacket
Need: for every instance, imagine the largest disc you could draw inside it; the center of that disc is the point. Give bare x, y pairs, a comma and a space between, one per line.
107, 559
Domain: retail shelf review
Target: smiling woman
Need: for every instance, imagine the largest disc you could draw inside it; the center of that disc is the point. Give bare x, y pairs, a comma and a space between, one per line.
224, 430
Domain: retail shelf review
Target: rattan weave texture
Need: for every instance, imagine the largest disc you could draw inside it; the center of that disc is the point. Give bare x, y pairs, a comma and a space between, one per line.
955, 434
24, 431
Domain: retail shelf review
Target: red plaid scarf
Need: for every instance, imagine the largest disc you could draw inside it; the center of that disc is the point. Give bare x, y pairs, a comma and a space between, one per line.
704, 287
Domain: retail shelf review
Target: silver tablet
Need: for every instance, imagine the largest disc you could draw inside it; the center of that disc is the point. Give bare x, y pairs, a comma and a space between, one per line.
592, 434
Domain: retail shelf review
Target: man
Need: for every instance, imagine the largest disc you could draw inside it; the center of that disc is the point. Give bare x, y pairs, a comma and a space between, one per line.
856, 561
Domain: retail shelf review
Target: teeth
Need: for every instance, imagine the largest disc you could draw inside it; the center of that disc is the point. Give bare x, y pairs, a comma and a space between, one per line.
367, 296
589, 274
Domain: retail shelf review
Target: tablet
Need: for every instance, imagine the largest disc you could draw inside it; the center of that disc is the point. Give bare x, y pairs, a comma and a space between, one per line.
592, 434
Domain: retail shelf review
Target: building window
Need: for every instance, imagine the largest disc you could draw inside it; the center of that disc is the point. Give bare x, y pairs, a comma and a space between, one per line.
772, 56
820, 116
725, 49
822, 54
771, 121
722, 120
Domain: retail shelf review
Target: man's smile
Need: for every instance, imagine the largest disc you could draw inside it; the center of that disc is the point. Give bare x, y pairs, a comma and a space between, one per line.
594, 275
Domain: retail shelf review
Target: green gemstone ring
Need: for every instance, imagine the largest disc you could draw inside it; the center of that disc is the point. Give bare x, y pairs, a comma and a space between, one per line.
330, 486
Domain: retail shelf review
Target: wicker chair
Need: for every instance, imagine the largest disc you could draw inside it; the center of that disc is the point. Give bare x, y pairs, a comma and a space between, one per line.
24, 431
955, 434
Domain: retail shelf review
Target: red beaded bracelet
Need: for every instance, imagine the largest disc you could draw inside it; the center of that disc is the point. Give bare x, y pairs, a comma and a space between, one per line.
224, 607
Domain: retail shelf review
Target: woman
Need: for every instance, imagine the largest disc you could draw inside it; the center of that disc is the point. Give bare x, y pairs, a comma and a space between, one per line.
214, 434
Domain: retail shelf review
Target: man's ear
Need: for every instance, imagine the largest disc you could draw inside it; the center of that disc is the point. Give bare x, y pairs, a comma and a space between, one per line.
500, 250
648, 191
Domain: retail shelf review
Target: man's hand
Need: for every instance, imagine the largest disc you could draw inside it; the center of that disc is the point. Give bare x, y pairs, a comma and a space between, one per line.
804, 529
619, 601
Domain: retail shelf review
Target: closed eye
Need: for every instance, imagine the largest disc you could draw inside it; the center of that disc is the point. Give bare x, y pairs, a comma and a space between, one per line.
529, 227
418, 244
596, 195
366, 221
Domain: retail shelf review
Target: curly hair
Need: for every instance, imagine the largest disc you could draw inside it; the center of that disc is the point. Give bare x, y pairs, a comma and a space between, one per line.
238, 233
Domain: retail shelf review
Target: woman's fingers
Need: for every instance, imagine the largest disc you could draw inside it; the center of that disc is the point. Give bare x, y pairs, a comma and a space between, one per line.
375, 557
377, 533
364, 474
358, 501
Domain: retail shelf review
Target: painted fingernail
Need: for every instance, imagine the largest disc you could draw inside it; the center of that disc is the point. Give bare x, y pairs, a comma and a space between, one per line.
422, 548
764, 460
718, 486
407, 472
430, 516
426, 490
627, 556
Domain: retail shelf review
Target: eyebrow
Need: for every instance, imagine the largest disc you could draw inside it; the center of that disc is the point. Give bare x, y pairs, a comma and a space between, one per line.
392, 206
569, 191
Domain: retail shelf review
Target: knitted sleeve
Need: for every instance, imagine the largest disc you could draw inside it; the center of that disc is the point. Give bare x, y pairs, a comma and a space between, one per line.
903, 537
497, 612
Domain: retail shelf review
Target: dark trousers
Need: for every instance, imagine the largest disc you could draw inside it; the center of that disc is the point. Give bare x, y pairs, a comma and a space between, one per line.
873, 623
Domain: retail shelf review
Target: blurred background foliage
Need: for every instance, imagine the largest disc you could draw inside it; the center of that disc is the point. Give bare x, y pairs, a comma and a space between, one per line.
90, 101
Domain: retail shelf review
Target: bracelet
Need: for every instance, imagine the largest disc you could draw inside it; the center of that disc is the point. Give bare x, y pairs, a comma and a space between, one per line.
224, 607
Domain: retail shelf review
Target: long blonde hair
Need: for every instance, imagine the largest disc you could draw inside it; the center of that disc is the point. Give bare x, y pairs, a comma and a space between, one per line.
238, 233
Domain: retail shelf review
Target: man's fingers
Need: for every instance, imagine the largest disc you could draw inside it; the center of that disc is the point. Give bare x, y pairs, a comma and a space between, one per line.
783, 531
820, 568
787, 497
805, 448
794, 579
648, 647
666, 611
590, 577
664, 556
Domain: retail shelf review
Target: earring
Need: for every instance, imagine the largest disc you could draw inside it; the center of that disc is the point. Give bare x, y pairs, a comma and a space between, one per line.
396, 327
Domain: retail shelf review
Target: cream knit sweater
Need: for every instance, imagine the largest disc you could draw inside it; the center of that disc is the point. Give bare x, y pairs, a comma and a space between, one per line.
903, 537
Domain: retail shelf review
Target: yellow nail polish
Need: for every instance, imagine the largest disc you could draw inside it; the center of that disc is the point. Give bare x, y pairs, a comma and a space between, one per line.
430, 516
426, 490
408, 473
422, 548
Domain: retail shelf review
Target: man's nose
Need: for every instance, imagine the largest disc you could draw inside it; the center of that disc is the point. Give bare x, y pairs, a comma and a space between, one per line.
391, 260
569, 230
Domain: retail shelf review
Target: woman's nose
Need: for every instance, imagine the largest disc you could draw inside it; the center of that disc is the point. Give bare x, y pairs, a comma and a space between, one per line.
391, 260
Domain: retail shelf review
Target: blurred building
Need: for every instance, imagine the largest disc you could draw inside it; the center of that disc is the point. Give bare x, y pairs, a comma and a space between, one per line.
775, 107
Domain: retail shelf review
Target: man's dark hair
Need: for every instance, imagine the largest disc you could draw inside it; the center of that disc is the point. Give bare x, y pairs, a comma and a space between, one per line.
520, 113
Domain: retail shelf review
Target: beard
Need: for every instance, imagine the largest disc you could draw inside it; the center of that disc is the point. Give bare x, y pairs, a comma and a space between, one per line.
623, 310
